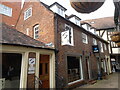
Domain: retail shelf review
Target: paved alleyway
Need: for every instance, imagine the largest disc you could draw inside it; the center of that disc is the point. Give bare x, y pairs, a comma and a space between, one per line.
110, 82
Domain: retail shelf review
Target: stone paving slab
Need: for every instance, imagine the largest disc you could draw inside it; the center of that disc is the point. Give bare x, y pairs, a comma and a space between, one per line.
110, 82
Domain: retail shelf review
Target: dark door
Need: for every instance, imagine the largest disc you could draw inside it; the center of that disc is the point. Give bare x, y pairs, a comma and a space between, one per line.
44, 71
87, 69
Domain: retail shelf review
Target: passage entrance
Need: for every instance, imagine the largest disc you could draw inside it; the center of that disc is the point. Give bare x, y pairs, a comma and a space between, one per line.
44, 71
11, 69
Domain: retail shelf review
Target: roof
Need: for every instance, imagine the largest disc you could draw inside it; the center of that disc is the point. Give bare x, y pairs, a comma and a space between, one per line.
55, 3
72, 15
101, 23
11, 36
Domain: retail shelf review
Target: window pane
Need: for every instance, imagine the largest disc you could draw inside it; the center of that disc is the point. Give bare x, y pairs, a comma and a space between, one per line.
74, 70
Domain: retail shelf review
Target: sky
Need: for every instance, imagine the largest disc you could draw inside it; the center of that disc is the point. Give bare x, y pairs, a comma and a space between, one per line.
106, 10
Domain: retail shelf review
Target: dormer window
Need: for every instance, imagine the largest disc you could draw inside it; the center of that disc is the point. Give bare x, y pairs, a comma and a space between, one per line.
74, 19
86, 27
57, 8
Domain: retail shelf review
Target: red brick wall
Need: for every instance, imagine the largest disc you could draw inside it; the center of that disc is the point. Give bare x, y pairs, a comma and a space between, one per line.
41, 16
16, 7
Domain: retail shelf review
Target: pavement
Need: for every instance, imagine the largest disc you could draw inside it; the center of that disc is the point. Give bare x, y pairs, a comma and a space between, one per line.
110, 82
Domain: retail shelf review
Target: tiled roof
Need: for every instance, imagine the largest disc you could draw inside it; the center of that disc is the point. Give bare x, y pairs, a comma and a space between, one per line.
101, 23
13, 37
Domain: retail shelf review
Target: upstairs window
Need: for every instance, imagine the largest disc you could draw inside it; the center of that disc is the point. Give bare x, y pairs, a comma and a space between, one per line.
27, 13
84, 38
67, 36
101, 47
36, 31
77, 21
60, 11
5, 10
94, 41
105, 47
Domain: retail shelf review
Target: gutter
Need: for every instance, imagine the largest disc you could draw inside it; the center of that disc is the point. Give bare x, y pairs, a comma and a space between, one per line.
29, 46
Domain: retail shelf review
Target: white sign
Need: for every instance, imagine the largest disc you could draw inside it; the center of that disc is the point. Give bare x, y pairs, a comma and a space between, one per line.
31, 67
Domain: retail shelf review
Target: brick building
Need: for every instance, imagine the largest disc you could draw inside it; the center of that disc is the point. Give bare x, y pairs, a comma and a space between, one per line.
21, 55
105, 28
81, 54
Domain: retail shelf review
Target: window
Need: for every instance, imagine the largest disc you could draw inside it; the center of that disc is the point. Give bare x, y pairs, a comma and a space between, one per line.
101, 47
60, 11
67, 36
36, 31
84, 26
77, 21
27, 13
94, 41
5, 10
84, 38
105, 46
74, 66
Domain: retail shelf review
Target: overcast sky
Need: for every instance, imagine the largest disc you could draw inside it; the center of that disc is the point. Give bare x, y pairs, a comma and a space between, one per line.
106, 10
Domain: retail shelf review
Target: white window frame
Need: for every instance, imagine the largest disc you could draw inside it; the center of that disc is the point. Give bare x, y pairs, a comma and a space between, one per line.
77, 21
26, 13
36, 30
105, 47
81, 69
94, 41
101, 46
5, 10
65, 36
84, 38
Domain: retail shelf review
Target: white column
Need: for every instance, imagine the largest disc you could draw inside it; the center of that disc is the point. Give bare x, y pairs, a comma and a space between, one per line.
52, 70
24, 67
37, 69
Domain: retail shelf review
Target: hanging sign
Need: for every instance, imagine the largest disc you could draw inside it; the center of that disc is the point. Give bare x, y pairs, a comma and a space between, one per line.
31, 67
95, 49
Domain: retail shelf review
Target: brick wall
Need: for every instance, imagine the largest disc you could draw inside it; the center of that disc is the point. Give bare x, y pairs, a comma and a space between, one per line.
41, 16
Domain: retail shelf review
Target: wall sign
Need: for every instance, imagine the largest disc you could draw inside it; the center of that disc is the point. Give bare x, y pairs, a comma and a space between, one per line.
95, 49
31, 67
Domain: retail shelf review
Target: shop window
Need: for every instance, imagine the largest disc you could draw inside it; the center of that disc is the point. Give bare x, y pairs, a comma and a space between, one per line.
36, 31
27, 13
74, 69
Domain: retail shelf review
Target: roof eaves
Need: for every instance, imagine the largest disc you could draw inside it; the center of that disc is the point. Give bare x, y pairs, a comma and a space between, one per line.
57, 4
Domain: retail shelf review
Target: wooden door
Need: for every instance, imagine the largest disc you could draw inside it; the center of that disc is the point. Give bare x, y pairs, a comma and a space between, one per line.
44, 71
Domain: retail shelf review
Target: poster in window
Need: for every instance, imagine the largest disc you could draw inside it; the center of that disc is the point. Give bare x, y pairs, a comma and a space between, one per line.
31, 66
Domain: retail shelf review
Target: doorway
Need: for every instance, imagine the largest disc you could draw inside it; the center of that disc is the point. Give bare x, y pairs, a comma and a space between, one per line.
11, 69
87, 68
44, 71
